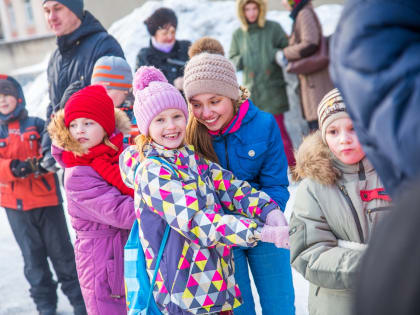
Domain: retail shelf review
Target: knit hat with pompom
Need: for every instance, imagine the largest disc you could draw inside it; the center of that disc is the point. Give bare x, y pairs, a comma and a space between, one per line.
206, 44
153, 94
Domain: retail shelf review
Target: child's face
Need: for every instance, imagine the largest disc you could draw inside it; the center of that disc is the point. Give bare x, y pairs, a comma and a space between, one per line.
168, 128
343, 142
87, 132
7, 104
212, 110
118, 96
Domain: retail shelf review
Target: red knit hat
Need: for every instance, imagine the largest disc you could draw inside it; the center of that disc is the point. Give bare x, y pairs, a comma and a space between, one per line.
94, 103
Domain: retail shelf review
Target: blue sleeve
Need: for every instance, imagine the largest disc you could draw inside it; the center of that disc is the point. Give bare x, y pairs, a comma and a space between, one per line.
375, 64
273, 174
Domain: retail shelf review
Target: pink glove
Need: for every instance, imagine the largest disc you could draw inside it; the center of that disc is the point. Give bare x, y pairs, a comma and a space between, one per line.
279, 235
276, 218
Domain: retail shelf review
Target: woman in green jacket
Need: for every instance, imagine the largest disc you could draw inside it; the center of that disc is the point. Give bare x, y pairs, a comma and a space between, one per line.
338, 203
253, 49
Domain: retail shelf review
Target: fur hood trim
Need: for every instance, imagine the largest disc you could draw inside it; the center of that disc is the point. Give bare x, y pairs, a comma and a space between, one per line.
61, 137
314, 160
262, 4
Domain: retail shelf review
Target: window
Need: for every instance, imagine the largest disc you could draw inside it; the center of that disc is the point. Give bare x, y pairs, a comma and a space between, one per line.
29, 14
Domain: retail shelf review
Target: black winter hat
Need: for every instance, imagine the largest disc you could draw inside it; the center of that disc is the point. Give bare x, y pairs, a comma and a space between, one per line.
159, 19
76, 6
8, 88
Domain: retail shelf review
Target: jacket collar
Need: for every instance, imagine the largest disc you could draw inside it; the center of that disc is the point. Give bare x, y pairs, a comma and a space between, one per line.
90, 25
315, 160
245, 114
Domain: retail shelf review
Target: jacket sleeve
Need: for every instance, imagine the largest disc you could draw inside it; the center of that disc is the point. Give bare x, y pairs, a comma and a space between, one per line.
381, 84
238, 196
235, 52
100, 202
178, 204
280, 38
273, 173
309, 37
314, 251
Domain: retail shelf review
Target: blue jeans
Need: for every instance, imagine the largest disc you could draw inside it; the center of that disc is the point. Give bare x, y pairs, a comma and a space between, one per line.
272, 273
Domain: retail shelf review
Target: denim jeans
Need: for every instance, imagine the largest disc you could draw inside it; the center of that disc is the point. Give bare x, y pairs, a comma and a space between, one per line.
271, 270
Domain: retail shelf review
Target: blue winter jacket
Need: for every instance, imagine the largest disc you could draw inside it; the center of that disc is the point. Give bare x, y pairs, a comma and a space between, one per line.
71, 65
375, 63
252, 149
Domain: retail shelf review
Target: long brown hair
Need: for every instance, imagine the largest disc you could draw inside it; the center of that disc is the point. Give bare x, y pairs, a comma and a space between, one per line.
198, 134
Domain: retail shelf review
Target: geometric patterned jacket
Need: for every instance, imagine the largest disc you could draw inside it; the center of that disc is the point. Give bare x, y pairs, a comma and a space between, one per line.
208, 210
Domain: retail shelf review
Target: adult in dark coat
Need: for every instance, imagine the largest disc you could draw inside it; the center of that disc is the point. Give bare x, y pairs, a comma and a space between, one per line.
164, 51
389, 280
81, 41
375, 64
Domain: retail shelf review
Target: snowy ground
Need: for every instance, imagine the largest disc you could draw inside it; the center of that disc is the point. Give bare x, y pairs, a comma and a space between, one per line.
131, 33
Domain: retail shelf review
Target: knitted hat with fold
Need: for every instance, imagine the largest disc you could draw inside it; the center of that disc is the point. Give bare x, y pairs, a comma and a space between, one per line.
113, 72
153, 94
76, 6
331, 108
210, 73
94, 103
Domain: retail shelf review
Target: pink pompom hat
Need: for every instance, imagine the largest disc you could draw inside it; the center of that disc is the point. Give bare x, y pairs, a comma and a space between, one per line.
153, 94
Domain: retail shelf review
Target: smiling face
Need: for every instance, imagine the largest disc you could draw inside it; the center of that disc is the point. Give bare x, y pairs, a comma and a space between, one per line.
165, 35
251, 11
212, 110
7, 104
87, 132
61, 19
343, 142
168, 128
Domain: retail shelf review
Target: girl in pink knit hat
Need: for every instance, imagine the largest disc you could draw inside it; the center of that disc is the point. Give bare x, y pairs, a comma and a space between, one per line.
208, 210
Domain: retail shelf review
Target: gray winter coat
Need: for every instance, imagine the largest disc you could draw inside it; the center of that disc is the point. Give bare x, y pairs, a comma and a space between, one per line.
337, 207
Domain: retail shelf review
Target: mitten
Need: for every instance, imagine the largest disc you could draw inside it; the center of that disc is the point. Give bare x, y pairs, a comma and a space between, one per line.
276, 218
47, 163
281, 59
279, 235
20, 168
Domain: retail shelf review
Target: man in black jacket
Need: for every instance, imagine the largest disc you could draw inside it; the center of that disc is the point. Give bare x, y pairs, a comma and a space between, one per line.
81, 40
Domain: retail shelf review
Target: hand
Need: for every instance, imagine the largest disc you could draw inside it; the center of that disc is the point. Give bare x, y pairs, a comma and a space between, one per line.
281, 59
21, 169
47, 163
276, 218
279, 235
179, 83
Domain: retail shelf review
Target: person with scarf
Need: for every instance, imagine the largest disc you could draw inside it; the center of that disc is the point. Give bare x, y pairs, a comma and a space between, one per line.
226, 127
165, 52
304, 42
87, 141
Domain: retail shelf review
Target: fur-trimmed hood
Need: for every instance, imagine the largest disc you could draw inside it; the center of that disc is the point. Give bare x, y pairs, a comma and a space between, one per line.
315, 160
61, 137
262, 4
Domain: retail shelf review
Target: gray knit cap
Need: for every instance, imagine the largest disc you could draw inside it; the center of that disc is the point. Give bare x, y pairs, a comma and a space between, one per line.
331, 108
210, 73
76, 6
114, 72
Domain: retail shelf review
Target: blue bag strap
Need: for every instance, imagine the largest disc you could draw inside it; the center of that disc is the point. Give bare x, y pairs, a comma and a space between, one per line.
162, 244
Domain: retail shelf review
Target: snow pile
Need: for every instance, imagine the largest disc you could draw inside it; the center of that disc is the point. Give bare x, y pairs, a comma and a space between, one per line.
195, 19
